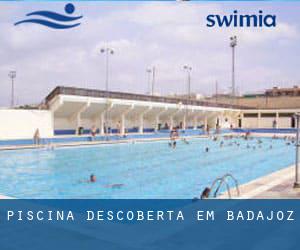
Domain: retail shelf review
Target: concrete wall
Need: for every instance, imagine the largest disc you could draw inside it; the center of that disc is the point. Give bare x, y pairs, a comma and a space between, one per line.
266, 122
250, 122
64, 123
284, 122
280, 102
22, 124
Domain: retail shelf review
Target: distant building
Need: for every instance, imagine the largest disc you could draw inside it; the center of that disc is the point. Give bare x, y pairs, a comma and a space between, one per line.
274, 92
193, 96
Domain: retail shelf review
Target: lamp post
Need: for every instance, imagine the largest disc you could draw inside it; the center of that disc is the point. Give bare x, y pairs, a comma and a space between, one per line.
149, 72
188, 69
297, 181
153, 72
153, 79
12, 75
107, 51
217, 91
233, 44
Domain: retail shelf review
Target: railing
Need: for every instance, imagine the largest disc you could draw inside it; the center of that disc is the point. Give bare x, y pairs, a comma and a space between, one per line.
220, 182
130, 96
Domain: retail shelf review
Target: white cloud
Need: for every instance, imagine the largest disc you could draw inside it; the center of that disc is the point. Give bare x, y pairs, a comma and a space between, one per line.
167, 35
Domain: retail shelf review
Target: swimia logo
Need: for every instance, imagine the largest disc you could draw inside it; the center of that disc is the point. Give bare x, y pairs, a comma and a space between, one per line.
239, 20
52, 19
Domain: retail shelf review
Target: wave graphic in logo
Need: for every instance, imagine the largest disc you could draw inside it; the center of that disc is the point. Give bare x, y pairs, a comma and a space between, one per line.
55, 20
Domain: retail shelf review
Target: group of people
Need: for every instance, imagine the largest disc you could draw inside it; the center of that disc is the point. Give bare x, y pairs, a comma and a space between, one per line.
106, 130
174, 135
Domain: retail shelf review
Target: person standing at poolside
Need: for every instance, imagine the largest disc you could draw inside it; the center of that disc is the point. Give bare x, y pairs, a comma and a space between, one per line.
205, 194
36, 137
274, 124
104, 128
119, 127
93, 131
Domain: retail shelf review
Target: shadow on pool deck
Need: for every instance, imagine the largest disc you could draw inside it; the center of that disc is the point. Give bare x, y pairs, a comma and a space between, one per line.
278, 185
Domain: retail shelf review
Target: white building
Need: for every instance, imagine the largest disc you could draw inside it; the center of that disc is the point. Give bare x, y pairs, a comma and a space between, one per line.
70, 109
74, 108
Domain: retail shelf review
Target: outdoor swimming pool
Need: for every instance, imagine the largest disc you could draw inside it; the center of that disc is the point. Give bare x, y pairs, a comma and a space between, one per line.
147, 170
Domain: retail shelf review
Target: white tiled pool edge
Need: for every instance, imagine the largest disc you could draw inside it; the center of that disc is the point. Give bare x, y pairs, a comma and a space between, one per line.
70, 144
260, 185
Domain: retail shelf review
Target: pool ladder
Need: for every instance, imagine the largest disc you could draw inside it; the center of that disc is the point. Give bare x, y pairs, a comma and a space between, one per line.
223, 180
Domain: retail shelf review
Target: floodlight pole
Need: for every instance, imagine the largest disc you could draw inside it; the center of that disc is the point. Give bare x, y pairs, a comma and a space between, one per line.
297, 182
107, 51
12, 75
149, 72
153, 80
188, 69
233, 44
217, 90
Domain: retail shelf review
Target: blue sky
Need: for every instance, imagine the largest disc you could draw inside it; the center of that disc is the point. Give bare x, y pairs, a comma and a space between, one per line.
167, 35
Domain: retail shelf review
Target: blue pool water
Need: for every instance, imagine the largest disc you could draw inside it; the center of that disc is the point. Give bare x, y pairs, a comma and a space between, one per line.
147, 170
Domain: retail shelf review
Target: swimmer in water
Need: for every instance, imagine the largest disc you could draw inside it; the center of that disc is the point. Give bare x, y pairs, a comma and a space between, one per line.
93, 178
174, 144
248, 146
117, 185
185, 141
207, 149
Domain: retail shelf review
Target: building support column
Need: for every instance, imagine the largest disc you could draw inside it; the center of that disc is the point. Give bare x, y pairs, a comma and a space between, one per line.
171, 122
258, 119
141, 124
195, 121
101, 127
78, 122
205, 123
77, 116
123, 121
156, 122
141, 120
157, 118
184, 122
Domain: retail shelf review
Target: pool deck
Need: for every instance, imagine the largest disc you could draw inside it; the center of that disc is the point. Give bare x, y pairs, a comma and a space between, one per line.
98, 142
277, 185
130, 140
